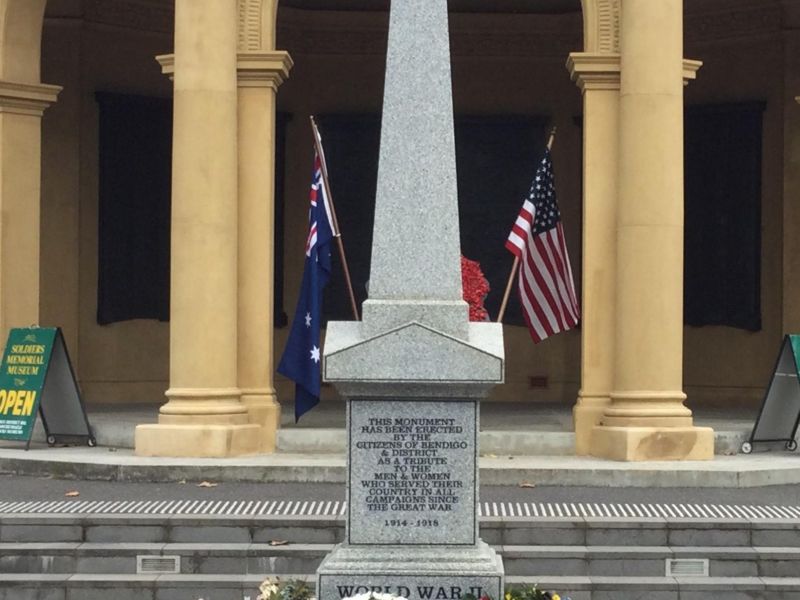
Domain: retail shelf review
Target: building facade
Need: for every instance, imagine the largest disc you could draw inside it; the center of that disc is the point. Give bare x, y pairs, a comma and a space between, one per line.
107, 103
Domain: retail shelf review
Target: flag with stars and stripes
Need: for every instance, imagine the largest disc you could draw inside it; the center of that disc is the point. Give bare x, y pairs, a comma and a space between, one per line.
546, 288
301, 360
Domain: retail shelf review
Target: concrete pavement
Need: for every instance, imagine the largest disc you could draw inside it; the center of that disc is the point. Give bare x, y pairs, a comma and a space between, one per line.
741, 471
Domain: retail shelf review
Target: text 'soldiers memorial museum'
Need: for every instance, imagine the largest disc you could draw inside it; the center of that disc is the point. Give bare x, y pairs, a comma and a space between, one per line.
154, 169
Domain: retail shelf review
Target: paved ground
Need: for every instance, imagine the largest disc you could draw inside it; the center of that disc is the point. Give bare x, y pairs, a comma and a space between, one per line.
18, 488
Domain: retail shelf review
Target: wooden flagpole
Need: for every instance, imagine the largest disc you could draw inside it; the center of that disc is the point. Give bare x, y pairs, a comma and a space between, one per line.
515, 266
336, 233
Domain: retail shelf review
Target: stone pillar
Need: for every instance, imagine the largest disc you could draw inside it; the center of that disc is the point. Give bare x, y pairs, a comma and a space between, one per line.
598, 76
260, 75
21, 109
415, 369
204, 415
647, 419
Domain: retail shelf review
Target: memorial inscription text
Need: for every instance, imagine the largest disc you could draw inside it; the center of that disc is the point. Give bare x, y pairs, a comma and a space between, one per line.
413, 467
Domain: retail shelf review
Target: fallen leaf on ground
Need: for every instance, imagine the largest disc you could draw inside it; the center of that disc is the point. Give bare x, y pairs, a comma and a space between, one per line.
278, 543
207, 484
490, 455
182, 482
527, 484
72, 494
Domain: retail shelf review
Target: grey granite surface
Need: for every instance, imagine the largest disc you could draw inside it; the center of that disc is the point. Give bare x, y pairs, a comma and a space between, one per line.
415, 245
414, 368
415, 328
412, 472
426, 573
450, 317
414, 353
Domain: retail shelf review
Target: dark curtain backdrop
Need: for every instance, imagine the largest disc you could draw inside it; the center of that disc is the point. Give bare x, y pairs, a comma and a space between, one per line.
496, 159
723, 215
135, 146
351, 146
135, 149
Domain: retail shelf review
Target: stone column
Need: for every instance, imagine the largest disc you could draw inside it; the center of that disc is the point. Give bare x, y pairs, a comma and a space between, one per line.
21, 109
598, 76
260, 75
647, 419
204, 415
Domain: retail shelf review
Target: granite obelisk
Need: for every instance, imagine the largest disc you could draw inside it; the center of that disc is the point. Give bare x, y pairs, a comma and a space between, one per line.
414, 370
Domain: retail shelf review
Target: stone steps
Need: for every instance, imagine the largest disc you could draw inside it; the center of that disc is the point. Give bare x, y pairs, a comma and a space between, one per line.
300, 559
119, 433
497, 531
90, 556
754, 470
245, 587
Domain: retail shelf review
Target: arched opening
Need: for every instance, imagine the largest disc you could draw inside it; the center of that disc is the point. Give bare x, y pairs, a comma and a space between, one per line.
507, 62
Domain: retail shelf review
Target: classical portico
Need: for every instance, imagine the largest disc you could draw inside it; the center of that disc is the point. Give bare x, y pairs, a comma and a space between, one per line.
227, 68
23, 100
236, 412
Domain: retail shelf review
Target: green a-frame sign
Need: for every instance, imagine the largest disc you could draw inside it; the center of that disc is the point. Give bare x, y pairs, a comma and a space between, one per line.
36, 378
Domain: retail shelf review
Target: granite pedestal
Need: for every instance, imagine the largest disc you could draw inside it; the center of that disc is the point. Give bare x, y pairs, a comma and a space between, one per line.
412, 527
414, 370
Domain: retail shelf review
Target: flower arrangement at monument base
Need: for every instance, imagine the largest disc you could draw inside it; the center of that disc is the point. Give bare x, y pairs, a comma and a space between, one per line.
276, 589
375, 596
522, 593
295, 589
289, 589
532, 593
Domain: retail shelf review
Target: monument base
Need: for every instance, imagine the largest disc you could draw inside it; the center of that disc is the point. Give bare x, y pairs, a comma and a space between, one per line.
414, 572
653, 443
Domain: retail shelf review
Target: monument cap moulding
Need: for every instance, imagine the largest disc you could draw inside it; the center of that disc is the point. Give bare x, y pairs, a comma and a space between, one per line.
415, 337
414, 370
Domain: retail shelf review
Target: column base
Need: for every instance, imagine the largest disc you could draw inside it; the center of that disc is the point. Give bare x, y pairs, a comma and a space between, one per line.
264, 411
586, 415
197, 440
653, 443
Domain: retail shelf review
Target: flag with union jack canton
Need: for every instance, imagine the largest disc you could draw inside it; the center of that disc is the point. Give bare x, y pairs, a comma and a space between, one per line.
546, 288
301, 360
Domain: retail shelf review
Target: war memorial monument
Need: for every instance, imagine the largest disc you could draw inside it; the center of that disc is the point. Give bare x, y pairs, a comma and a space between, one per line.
414, 369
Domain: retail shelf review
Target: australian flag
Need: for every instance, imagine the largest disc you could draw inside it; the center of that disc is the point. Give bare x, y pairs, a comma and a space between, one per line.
301, 360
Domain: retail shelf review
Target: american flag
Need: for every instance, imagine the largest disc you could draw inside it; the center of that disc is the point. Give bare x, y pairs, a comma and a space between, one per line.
302, 355
546, 288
